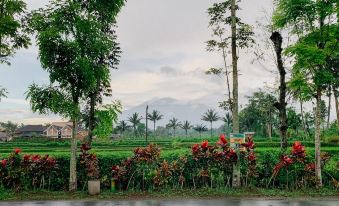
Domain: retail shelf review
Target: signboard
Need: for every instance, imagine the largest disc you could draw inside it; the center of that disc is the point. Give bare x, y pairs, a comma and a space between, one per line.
236, 139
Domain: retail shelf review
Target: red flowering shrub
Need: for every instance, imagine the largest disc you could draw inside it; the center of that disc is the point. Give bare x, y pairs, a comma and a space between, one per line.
89, 162
298, 150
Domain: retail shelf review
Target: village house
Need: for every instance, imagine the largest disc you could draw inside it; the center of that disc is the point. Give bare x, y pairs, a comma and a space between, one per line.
31, 131
59, 130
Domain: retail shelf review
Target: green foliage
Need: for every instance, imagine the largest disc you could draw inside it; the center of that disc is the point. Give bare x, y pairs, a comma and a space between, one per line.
12, 35
259, 112
107, 117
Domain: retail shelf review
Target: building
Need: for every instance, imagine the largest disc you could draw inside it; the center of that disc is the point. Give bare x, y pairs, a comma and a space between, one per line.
59, 130
31, 131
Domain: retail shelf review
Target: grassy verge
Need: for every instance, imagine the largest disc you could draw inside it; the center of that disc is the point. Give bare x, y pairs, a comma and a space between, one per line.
227, 193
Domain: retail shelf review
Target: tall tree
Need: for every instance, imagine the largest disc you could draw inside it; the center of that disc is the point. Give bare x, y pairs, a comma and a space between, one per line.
155, 116
200, 129
223, 21
122, 126
227, 119
12, 34
277, 40
174, 123
105, 56
135, 119
314, 50
210, 116
186, 126
65, 38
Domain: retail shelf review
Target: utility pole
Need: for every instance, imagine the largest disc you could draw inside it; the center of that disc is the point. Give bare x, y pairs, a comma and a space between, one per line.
146, 123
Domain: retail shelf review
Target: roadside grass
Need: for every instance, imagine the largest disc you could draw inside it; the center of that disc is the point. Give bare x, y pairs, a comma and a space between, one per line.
204, 193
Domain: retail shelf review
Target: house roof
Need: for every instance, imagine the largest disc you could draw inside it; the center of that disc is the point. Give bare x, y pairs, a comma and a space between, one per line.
32, 128
62, 124
2, 129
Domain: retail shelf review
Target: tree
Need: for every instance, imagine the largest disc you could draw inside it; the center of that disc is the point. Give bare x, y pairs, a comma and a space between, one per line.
259, 114
9, 126
135, 119
222, 21
293, 119
123, 126
12, 35
210, 116
106, 117
64, 36
200, 129
174, 123
186, 126
277, 40
154, 117
227, 119
105, 55
314, 50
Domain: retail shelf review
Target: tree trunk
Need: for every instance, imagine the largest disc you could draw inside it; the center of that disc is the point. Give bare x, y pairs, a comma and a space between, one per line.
91, 117
302, 117
335, 94
211, 130
329, 108
235, 115
73, 161
317, 139
276, 38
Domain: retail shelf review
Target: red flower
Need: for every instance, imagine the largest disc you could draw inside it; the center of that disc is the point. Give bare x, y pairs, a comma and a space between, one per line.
286, 160
248, 145
4, 162
252, 157
204, 144
298, 150
36, 157
27, 157
310, 167
230, 154
222, 141
195, 148
277, 168
17, 151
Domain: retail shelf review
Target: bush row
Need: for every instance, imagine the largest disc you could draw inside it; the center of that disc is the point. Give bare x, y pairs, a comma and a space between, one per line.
197, 170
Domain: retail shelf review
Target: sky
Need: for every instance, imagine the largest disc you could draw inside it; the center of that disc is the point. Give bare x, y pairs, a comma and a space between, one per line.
164, 56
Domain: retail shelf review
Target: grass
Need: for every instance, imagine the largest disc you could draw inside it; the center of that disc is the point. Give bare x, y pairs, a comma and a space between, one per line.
204, 193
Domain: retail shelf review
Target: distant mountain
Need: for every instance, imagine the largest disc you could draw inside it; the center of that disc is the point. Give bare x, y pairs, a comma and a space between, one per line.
170, 108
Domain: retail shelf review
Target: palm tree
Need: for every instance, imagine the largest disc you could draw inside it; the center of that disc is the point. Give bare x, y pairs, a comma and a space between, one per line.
200, 128
227, 120
186, 126
123, 126
210, 116
174, 124
155, 116
134, 120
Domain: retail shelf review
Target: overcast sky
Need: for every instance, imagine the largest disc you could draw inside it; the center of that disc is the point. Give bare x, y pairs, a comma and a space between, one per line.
163, 43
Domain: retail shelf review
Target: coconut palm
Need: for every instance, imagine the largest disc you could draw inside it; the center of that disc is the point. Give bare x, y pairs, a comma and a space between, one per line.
210, 116
186, 126
174, 124
227, 119
155, 116
200, 128
135, 119
123, 126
